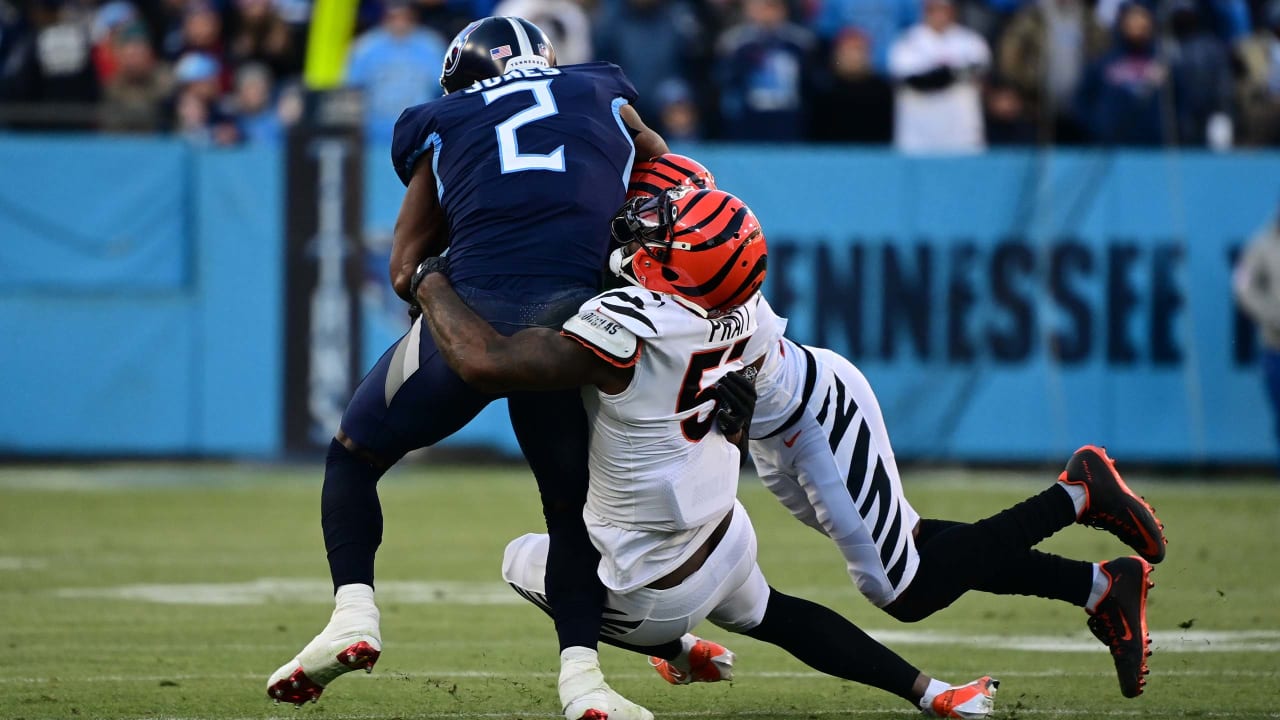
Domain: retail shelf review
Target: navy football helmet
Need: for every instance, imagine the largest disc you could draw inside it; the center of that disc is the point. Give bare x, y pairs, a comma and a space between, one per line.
492, 46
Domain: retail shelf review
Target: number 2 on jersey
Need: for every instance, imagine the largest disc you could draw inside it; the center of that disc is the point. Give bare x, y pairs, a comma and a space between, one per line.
544, 106
692, 394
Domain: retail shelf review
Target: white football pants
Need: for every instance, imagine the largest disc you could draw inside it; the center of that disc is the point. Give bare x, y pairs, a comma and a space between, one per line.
729, 589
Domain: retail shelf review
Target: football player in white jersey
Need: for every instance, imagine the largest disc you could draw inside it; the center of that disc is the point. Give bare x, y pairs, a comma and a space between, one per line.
671, 360
820, 445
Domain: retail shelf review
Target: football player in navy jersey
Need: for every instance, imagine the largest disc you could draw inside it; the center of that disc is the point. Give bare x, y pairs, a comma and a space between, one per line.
517, 171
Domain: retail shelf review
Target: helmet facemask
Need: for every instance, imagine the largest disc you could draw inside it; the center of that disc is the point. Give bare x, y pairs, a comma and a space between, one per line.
648, 221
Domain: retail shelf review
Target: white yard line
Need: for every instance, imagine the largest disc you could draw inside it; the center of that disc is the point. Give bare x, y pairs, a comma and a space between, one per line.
896, 709
528, 675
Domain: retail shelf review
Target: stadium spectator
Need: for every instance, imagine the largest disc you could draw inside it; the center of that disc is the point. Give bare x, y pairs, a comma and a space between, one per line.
397, 65
1005, 116
1120, 96
134, 98
1201, 75
880, 20
938, 66
257, 118
51, 64
763, 65
1043, 54
198, 116
444, 17
655, 40
678, 114
1257, 288
262, 36
564, 21
1258, 90
111, 19
852, 103
202, 33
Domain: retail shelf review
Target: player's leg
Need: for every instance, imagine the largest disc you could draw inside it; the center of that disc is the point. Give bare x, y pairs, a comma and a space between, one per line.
409, 399
995, 554
819, 637
553, 434
552, 431
524, 568
582, 687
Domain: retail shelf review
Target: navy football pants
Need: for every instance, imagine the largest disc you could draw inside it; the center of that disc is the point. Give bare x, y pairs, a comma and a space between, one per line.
411, 399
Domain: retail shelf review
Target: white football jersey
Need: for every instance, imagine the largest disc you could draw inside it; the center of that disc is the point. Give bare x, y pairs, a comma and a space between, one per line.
662, 474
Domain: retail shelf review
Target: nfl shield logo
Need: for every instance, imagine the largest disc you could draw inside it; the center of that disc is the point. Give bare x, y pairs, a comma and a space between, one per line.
500, 52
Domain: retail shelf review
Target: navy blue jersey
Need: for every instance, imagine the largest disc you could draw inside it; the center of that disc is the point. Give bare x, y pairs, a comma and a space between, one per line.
530, 168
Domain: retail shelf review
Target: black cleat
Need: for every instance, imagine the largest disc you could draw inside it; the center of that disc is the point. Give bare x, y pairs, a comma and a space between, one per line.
1120, 621
1110, 505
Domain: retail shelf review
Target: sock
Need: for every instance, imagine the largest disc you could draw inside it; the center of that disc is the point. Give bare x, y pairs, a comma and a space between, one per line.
828, 643
1079, 496
681, 661
958, 557
353, 595
936, 688
350, 515
579, 674
578, 654
354, 613
1101, 584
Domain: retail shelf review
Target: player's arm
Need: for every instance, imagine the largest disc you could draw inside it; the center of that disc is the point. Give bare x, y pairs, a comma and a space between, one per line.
421, 228
648, 142
532, 359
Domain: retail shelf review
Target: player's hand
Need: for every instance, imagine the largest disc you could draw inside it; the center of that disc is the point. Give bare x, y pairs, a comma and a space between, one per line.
735, 401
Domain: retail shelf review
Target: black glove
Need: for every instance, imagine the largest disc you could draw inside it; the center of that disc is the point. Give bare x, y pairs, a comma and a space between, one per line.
938, 78
736, 400
438, 263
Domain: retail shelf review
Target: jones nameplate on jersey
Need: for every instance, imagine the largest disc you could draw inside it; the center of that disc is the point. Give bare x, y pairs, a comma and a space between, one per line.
513, 75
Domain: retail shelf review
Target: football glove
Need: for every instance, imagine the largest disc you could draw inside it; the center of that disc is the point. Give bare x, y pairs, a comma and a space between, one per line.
735, 400
437, 263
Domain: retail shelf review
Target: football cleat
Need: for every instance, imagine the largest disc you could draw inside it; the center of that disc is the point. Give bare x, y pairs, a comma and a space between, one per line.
1120, 621
972, 700
1110, 505
585, 695
708, 662
350, 642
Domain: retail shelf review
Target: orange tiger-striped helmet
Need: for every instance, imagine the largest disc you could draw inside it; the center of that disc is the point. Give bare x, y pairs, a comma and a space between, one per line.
705, 246
668, 170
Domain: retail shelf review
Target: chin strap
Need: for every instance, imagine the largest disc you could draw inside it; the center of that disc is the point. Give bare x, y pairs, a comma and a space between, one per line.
620, 264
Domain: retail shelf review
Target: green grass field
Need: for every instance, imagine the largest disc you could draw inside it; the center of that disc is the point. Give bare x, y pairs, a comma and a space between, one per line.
173, 591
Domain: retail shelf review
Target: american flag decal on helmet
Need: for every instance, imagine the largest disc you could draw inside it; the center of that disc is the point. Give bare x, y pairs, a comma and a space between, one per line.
500, 52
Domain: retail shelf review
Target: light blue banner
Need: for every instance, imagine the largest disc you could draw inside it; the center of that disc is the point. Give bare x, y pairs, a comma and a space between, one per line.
94, 214
1007, 307
165, 343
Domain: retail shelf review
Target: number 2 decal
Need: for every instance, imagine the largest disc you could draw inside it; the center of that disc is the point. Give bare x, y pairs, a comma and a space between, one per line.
544, 106
692, 394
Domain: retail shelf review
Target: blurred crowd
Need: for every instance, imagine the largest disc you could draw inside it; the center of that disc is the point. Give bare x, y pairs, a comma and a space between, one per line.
927, 76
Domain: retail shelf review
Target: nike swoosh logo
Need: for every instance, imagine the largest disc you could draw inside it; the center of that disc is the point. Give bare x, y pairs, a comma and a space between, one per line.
1128, 633
791, 440
1153, 545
